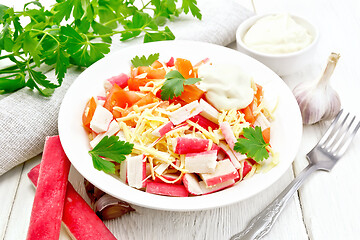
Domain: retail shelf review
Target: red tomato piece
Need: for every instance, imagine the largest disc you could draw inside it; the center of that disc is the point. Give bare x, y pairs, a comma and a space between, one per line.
121, 98
88, 114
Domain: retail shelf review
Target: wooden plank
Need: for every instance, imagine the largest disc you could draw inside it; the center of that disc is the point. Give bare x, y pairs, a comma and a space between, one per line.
218, 223
20, 215
8, 186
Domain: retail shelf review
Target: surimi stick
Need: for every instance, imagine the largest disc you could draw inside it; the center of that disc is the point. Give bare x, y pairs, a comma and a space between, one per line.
80, 220
46, 214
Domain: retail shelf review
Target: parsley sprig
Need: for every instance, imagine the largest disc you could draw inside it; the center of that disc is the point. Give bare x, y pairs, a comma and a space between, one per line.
111, 148
253, 145
174, 84
144, 61
63, 35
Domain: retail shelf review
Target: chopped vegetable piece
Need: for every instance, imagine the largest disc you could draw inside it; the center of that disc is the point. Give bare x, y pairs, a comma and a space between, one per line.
183, 145
88, 114
48, 206
171, 62
203, 162
185, 67
191, 93
253, 145
135, 83
144, 61
266, 135
249, 116
224, 171
166, 189
121, 98
80, 220
259, 94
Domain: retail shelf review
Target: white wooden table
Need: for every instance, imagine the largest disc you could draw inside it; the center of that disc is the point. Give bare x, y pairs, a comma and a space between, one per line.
326, 207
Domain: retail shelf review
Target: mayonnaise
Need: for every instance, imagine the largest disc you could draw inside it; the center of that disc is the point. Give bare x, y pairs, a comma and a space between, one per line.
277, 34
227, 86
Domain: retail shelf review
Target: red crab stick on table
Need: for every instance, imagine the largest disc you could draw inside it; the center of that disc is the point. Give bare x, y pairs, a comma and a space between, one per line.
46, 214
80, 220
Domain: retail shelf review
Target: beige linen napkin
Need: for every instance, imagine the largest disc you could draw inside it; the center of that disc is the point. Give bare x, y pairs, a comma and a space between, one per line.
26, 118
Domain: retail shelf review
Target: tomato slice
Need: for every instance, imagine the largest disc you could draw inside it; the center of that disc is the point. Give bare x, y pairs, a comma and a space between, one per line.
191, 93
259, 94
121, 98
157, 64
185, 67
266, 135
249, 116
135, 83
88, 114
149, 98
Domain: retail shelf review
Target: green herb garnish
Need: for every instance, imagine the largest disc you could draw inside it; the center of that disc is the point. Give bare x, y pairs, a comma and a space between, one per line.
111, 148
253, 145
143, 61
174, 84
63, 35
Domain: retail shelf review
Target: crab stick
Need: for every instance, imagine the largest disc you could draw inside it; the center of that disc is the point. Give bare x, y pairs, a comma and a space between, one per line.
191, 184
184, 145
224, 171
136, 171
166, 189
208, 111
46, 214
230, 139
80, 220
163, 129
204, 162
184, 113
203, 122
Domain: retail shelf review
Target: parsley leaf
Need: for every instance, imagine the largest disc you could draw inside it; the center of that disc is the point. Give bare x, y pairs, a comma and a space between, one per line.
253, 145
112, 148
143, 61
75, 32
191, 5
174, 84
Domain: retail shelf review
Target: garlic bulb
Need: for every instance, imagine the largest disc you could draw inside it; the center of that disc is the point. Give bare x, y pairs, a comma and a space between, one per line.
319, 101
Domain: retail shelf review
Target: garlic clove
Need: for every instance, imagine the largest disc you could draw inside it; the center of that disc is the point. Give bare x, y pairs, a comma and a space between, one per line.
319, 101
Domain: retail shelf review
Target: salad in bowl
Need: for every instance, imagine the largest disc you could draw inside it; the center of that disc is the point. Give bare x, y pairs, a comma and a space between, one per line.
176, 128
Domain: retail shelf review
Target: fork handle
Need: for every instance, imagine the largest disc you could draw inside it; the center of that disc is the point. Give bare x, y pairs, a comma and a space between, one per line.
261, 224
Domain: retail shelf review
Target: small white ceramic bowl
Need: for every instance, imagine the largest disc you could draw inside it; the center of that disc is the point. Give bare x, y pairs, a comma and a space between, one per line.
282, 64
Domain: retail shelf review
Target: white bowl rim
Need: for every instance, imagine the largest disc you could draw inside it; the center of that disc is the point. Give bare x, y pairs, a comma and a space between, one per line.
245, 25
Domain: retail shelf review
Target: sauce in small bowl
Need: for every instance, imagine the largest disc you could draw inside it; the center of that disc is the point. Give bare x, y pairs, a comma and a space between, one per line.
285, 43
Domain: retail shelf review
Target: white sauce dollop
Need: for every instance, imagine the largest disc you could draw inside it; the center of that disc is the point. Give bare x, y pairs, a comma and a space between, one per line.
227, 86
277, 34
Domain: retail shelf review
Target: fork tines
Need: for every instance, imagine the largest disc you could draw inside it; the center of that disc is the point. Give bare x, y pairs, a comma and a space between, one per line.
340, 134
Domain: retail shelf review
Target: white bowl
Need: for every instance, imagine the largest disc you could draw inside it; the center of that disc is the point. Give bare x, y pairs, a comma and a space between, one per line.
282, 64
286, 129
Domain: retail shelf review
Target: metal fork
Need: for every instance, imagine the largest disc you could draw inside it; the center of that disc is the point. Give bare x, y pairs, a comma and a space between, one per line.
323, 156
